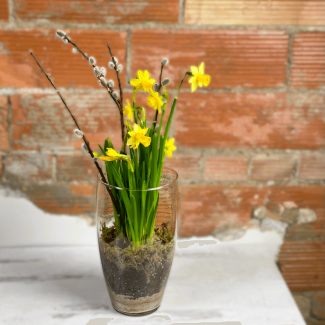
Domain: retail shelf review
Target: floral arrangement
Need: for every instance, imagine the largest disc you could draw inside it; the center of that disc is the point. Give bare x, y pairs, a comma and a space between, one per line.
137, 166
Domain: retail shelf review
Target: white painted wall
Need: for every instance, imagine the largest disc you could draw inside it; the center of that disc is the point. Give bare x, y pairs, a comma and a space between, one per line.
22, 223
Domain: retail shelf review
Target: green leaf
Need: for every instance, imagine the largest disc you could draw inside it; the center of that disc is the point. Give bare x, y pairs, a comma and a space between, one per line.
108, 144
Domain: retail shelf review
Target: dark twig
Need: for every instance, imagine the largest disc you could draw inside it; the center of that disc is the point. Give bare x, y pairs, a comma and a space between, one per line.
159, 87
86, 143
79, 50
117, 73
120, 88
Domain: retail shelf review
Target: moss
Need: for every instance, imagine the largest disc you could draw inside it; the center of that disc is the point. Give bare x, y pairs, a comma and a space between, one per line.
164, 234
108, 234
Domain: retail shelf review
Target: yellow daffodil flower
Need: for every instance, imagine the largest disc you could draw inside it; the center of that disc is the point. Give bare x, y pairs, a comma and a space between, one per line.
155, 100
199, 78
112, 155
169, 147
143, 82
127, 110
95, 154
137, 136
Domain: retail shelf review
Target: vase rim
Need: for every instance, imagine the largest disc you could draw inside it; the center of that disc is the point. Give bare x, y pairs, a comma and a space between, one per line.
175, 178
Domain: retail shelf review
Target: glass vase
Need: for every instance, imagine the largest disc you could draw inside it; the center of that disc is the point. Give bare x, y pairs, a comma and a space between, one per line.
136, 272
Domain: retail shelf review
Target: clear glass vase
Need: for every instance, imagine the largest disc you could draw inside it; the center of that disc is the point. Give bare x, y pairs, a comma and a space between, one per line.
136, 272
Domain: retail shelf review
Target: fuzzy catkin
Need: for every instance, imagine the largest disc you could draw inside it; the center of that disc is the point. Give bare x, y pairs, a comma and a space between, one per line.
165, 82
164, 62
92, 60
97, 72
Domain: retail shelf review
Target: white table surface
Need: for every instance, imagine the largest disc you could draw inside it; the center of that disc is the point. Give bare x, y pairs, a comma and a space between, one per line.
223, 283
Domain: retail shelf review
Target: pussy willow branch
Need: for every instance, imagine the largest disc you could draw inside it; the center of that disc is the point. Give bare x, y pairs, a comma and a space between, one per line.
85, 141
118, 102
117, 74
121, 92
159, 87
87, 58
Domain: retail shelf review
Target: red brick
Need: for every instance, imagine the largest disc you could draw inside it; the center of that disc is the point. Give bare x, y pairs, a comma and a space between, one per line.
31, 167
77, 167
238, 12
41, 121
61, 198
4, 10
4, 126
249, 120
225, 168
273, 167
67, 69
303, 265
308, 61
104, 12
83, 189
205, 208
312, 166
187, 166
246, 58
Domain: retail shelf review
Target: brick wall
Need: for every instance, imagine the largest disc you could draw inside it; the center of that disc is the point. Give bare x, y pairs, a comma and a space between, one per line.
255, 136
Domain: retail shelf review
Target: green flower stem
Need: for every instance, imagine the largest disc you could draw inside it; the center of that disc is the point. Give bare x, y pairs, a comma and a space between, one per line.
134, 110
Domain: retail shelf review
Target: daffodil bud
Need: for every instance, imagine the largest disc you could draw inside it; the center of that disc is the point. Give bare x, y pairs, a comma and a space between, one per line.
155, 87
103, 81
165, 82
84, 147
164, 100
119, 68
103, 71
78, 133
111, 65
110, 83
164, 62
115, 60
75, 50
97, 72
92, 60
115, 94
61, 33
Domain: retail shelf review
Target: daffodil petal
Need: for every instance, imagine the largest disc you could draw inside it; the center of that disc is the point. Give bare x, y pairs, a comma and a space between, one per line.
135, 82
194, 70
105, 158
112, 153
146, 74
194, 86
140, 75
201, 68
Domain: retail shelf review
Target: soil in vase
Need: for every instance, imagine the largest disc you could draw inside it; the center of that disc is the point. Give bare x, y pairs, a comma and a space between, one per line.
136, 277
